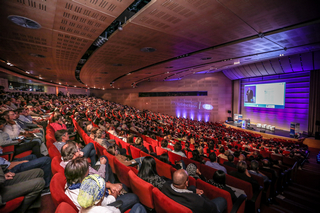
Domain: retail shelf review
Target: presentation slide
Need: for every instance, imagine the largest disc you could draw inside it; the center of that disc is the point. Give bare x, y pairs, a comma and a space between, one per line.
265, 95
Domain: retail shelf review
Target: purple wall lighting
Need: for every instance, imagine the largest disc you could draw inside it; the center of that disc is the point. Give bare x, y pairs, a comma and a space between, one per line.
184, 114
199, 117
296, 102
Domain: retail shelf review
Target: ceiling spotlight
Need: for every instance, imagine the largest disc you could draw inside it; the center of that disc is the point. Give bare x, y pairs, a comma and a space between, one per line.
103, 88
27, 72
59, 83
129, 73
120, 26
40, 77
118, 88
261, 35
8, 63
75, 86
94, 87
281, 55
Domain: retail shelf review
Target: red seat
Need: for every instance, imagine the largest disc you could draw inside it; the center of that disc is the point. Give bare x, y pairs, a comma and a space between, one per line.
207, 171
135, 152
174, 157
192, 181
164, 204
142, 189
65, 207
126, 146
55, 165
8, 153
49, 142
147, 145
212, 192
221, 160
187, 161
54, 152
57, 187
163, 169
111, 159
160, 150
11, 205
122, 172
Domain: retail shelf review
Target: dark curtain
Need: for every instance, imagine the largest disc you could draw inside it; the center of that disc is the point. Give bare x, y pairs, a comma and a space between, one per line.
314, 102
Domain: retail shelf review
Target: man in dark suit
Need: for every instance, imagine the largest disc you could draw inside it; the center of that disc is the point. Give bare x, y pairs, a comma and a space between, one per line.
230, 161
191, 197
249, 95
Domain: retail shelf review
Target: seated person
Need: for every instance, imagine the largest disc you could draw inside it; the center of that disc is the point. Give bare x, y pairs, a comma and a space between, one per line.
196, 156
77, 169
222, 154
29, 184
243, 174
62, 137
123, 159
214, 164
266, 166
230, 161
148, 172
255, 170
93, 132
27, 163
194, 172
57, 123
164, 157
164, 145
19, 147
71, 151
138, 144
219, 180
177, 149
178, 191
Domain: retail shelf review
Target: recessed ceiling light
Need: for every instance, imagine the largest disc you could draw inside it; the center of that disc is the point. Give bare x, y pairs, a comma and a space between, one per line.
118, 88
281, 55
24, 22
75, 86
59, 83
8, 63
147, 49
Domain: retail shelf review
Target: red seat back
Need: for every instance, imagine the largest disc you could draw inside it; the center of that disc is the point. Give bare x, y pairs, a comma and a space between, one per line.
164, 204
212, 192
192, 181
122, 172
187, 161
126, 146
160, 150
11, 205
240, 184
57, 186
55, 165
65, 207
135, 152
111, 159
163, 169
174, 157
53, 152
207, 171
142, 189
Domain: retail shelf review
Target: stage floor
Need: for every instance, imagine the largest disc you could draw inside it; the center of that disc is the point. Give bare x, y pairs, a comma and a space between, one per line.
268, 134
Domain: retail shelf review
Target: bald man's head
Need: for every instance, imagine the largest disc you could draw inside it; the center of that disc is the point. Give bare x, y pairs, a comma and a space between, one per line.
180, 178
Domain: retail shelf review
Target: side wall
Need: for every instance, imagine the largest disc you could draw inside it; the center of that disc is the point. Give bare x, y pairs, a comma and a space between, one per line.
217, 85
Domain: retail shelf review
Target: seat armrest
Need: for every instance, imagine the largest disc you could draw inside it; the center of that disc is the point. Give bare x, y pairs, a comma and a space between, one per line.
242, 198
15, 142
256, 194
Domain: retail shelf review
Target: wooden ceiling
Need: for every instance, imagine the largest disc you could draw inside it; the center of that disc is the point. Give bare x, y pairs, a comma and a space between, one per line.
190, 36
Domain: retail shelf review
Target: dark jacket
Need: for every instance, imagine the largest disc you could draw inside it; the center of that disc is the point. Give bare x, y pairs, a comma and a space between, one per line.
243, 176
197, 204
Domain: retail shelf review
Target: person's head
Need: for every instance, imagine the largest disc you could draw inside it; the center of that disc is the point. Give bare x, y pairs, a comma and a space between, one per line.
9, 115
94, 130
213, 157
76, 170
70, 151
180, 179
265, 163
196, 154
242, 167
221, 150
112, 150
92, 191
230, 158
254, 165
100, 133
61, 135
164, 157
236, 154
219, 177
164, 143
138, 141
148, 168
242, 157
177, 147
3, 122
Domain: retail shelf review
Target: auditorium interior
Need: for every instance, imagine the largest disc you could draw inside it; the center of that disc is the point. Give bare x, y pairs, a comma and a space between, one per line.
179, 68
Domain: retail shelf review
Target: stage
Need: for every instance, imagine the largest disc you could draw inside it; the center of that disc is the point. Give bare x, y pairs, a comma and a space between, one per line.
278, 133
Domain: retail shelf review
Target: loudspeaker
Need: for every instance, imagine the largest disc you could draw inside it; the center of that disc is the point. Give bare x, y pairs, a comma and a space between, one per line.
317, 136
230, 119
229, 111
262, 130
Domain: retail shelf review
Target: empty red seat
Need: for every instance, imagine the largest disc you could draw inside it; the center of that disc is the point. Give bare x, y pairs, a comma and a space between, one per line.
163, 169
174, 157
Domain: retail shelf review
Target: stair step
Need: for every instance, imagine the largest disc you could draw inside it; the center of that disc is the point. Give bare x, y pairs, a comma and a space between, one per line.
305, 188
280, 209
300, 199
304, 192
293, 206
